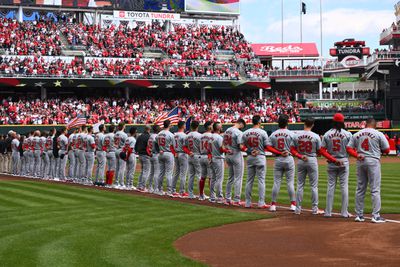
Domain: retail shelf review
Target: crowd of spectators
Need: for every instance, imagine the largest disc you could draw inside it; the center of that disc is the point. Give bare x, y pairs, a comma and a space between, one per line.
144, 110
367, 106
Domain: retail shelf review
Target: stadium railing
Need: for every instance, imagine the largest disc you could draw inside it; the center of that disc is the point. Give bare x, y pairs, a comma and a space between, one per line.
295, 73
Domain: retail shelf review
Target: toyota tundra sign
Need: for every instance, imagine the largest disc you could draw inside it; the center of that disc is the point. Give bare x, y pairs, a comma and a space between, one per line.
286, 50
134, 15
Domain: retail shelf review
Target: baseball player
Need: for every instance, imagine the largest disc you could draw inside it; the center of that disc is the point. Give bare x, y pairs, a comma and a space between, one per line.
144, 158
181, 161
52, 160
62, 144
205, 155
335, 142
129, 149
257, 142
71, 154
89, 154
27, 158
235, 162
193, 142
217, 165
81, 147
110, 154
165, 140
308, 144
283, 141
37, 154
75, 149
15, 154
369, 144
154, 151
100, 156
119, 140
45, 157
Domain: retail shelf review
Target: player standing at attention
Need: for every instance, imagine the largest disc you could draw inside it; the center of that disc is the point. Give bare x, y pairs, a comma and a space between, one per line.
165, 141
153, 150
45, 157
89, 154
37, 152
80, 146
76, 150
144, 158
110, 154
62, 144
52, 160
181, 161
235, 162
369, 144
15, 153
217, 165
205, 152
335, 142
257, 142
119, 141
71, 154
193, 141
283, 141
129, 149
308, 144
100, 155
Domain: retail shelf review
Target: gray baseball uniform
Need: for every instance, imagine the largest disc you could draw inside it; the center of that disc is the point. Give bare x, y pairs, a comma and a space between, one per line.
62, 142
15, 156
37, 156
89, 155
165, 140
308, 144
81, 147
76, 152
71, 156
256, 139
205, 149
110, 151
181, 162
283, 140
119, 141
336, 142
193, 142
370, 143
30, 156
131, 161
101, 158
235, 162
50, 172
24, 159
45, 157
154, 168
217, 168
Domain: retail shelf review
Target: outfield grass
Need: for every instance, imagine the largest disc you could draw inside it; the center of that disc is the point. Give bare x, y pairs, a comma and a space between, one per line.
59, 225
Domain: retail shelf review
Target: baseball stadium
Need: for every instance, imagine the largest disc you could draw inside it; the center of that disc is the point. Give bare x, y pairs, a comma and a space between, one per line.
199, 133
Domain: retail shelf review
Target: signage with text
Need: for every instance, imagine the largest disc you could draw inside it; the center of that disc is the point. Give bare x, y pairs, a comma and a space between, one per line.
134, 15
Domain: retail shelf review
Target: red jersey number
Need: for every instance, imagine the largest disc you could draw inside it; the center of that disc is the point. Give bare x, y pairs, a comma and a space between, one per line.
281, 143
305, 146
336, 145
365, 145
253, 142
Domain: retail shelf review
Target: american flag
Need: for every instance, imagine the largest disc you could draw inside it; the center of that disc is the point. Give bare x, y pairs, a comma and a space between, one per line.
77, 122
172, 116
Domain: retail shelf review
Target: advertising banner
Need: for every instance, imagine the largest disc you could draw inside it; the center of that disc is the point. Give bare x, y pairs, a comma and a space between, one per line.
286, 50
335, 103
213, 6
340, 79
135, 15
361, 124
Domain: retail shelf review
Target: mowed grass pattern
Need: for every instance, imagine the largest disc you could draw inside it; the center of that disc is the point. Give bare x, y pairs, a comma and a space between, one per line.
45, 224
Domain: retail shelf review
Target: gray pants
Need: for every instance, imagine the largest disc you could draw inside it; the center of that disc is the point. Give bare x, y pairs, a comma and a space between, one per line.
256, 167
335, 172
101, 166
72, 164
22, 163
309, 168
15, 163
61, 164
154, 172
77, 169
131, 167
145, 172
89, 164
52, 167
82, 164
8, 162
37, 162
283, 165
217, 178
368, 171
181, 169
194, 171
235, 164
46, 165
111, 161
120, 166
166, 161
205, 167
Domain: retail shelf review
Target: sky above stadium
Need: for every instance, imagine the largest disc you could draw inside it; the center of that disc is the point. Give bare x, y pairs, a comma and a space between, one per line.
360, 19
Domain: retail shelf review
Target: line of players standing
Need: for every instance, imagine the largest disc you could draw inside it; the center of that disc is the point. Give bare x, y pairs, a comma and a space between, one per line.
176, 156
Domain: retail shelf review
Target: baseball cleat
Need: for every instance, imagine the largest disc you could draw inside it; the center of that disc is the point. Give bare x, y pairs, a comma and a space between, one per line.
221, 200
272, 208
237, 204
359, 219
212, 200
176, 194
292, 207
265, 206
202, 197
184, 195
378, 220
228, 202
191, 196
348, 215
317, 212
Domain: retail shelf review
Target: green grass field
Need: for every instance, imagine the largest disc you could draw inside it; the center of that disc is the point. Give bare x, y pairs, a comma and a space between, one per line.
45, 224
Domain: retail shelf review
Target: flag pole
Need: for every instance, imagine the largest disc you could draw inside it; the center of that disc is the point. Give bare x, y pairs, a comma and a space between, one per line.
320, 21
301, 21
282, 22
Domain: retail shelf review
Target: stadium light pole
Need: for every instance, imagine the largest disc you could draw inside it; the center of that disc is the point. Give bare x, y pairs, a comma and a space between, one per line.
282, 22
320, 22
301, 21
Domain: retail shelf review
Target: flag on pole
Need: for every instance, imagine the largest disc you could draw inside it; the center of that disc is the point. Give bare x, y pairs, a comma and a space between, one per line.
303, 8
172, 116
187, 124
77, 122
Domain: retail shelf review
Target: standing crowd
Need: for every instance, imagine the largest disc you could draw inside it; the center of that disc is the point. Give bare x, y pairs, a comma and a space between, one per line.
201, 156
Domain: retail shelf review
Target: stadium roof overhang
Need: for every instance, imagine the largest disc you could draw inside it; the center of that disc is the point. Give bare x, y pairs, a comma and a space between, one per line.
286, 51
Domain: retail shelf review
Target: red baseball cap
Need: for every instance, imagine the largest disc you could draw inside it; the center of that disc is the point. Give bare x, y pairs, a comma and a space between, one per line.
338, 117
